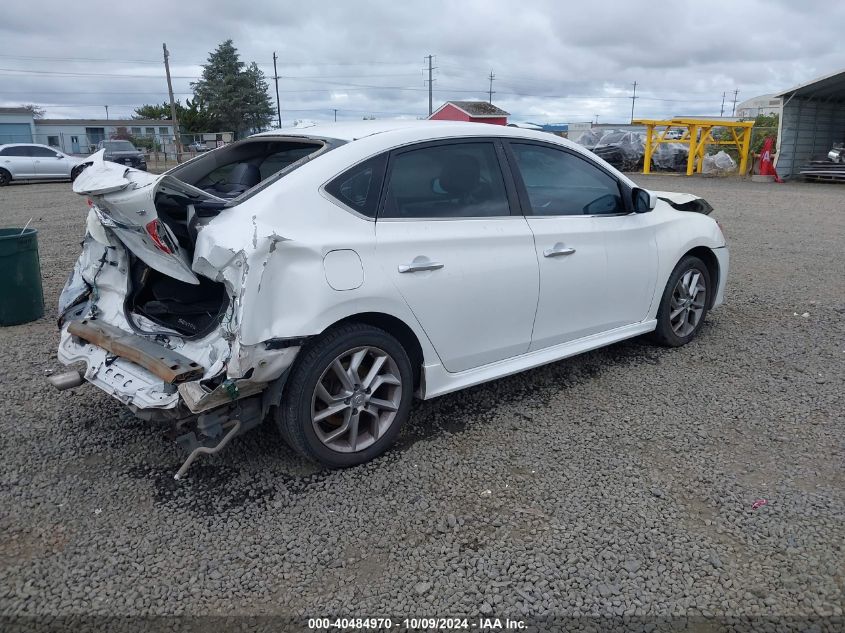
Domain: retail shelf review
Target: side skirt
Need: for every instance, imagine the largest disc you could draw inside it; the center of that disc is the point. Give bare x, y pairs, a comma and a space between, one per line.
438, 381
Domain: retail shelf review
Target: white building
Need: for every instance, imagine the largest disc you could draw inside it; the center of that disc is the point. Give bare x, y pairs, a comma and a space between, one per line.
764, 104
76, 136
80, 136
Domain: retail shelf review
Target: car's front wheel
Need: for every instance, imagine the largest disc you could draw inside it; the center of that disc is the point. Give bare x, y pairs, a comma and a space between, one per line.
347, 396
5, 177
74, 174
683, 305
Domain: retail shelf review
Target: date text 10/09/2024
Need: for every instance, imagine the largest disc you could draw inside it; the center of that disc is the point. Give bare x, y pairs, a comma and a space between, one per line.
413, 624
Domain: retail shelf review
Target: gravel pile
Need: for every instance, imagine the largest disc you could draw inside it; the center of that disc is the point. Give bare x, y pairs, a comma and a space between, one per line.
620, 482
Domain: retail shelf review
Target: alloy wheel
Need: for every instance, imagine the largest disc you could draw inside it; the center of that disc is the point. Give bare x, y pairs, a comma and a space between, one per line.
356, 399
687, 304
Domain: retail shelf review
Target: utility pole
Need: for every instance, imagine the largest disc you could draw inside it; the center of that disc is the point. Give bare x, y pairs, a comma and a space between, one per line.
107, 112
490, 92
430, 85
722, 111
633, 99
335, 114
733, 112
276, 79
597, 119
177, 139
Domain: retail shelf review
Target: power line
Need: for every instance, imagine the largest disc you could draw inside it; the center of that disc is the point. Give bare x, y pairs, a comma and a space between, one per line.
110, 60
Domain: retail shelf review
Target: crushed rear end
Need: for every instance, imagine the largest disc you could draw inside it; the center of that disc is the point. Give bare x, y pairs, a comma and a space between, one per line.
155, 301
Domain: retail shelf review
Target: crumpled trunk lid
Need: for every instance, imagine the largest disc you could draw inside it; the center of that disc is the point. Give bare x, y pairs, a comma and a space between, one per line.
124, 201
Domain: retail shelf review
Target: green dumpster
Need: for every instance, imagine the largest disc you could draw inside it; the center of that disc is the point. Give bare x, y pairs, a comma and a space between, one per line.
21, 297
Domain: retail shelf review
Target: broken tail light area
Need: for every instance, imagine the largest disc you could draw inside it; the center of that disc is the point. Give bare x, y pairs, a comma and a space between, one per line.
160, 235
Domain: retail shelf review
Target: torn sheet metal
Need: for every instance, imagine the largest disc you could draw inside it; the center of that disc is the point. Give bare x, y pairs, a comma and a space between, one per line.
124, 201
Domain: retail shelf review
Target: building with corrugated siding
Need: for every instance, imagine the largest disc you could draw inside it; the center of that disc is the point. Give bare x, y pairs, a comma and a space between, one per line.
812, 120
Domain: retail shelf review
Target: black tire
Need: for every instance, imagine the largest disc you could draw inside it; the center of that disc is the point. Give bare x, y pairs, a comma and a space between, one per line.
5, 177
665, 334
74, 174
294, 413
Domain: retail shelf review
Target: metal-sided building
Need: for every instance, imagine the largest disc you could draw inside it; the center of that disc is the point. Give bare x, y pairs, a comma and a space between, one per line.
16, 126
812, 120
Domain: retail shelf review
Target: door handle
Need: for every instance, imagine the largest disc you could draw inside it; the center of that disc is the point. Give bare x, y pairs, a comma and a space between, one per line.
419, 266
558, 250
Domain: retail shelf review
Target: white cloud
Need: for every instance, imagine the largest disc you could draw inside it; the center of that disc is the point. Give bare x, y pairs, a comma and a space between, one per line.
553, 61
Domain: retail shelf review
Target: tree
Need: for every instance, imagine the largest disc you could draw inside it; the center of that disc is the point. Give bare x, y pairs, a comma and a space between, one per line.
36, 111
154, 112
193, 117
234, 96
764, 125
121, 134
259, 110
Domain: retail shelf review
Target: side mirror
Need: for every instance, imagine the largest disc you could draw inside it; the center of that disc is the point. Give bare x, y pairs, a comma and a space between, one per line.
644, 201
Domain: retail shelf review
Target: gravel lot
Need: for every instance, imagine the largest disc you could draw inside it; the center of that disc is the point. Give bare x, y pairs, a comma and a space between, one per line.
618, 482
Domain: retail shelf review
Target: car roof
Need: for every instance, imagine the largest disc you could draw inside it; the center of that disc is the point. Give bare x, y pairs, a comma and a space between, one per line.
28, 145
352, 131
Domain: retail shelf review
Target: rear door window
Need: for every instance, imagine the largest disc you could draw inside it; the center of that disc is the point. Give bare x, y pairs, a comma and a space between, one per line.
454, 180
43, 152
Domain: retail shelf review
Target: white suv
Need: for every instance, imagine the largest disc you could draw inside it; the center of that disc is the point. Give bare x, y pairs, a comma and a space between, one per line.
30, 161
327, 276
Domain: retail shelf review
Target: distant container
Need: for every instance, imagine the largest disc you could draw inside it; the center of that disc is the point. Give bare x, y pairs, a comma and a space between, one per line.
21, 295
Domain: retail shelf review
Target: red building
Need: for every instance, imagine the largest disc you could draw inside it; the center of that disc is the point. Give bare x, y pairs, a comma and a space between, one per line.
474, 111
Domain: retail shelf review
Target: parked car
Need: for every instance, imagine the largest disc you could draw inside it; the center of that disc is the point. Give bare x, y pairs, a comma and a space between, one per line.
198, 146
123, 152
30, 161
329, 276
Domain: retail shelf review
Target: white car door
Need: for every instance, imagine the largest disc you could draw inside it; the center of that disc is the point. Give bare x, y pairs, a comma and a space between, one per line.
17, 160
597, 259
49, 163
463, 262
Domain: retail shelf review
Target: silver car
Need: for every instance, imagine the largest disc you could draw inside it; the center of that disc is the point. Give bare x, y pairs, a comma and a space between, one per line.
29, 161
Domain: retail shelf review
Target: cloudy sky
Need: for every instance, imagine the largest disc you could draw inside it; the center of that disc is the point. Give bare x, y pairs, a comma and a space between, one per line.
553, 61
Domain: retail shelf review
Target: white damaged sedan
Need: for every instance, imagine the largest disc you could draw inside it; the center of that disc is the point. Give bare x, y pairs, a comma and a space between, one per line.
325, 276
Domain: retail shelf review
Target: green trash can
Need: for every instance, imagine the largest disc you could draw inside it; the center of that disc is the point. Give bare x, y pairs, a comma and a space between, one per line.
21, 297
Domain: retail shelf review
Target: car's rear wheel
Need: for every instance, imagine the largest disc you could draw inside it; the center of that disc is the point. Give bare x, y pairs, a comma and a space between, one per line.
5, 177
683, 305
347, 396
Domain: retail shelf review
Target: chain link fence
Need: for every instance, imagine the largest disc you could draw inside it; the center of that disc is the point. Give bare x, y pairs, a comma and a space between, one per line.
160, 149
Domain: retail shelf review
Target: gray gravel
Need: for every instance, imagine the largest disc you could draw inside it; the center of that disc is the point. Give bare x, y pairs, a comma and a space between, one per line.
618, 482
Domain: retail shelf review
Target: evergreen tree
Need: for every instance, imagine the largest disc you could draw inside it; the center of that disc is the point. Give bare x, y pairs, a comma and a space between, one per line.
233, 96
260, 109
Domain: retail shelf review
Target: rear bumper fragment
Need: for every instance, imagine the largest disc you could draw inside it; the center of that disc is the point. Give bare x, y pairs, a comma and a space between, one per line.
166, 364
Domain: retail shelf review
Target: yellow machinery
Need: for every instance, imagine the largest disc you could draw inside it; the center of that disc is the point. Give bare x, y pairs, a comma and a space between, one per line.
698, 134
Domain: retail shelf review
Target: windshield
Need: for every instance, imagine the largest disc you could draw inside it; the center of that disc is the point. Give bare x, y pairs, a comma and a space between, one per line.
119, 146
612, 137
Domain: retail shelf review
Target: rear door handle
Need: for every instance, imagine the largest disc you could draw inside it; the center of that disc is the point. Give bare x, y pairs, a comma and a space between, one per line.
558, 250
419, 266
